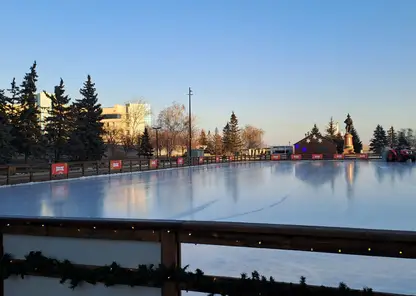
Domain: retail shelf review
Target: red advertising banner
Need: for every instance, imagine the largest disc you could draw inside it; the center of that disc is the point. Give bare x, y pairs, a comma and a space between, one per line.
59, 169
153, 163
317, 156
363, 156
201, 159
296, 156
217, 159
116, 165
179, 161
275, 157
338, 156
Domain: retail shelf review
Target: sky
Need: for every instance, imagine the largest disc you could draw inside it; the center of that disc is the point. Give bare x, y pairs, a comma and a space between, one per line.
280, 65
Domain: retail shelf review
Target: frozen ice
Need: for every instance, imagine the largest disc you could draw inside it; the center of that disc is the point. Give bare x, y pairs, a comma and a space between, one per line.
365, 194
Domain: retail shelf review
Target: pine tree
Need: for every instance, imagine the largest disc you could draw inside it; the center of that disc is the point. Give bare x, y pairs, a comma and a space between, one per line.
29, 138
58, 124
315, 130
210, 143
392, 137
86, 140
202, 140
356, 141
331, 129
145, 146
235, 135
218, 147
226, 138
6, 146
379, 140
402, 141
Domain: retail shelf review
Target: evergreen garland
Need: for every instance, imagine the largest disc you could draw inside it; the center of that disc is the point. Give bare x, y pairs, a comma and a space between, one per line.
149, 275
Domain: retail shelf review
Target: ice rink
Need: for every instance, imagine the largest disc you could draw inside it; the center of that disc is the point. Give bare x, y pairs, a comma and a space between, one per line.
329, 193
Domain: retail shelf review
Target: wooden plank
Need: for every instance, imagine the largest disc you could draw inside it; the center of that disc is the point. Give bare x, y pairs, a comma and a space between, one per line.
364, 247
171, 257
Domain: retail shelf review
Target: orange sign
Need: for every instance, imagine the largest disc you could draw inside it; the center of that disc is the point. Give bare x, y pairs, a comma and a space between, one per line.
317, 156
217, 159
179, 161
338, 156
59, 169
363, 156
201, 159
296, 156
116, 165
153, 163
275, 156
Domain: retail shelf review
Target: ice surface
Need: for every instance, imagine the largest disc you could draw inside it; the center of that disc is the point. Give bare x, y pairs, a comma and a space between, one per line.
329, 193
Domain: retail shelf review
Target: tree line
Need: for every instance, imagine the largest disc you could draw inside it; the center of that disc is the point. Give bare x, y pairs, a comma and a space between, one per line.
402, 139
74, 129
71, 129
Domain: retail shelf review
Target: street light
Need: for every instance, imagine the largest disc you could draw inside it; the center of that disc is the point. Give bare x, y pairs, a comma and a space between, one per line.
157, 128
190, 126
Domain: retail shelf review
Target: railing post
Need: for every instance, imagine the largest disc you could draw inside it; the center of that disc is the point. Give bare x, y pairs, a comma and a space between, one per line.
131, 166
8, 175
98, 167
109, 166
30, 174
171, 256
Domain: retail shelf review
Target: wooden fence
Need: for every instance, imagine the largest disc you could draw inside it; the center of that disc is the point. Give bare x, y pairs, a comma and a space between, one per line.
15, 174
90, 245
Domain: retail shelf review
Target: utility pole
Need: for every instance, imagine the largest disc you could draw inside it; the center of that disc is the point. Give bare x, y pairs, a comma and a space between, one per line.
190, 126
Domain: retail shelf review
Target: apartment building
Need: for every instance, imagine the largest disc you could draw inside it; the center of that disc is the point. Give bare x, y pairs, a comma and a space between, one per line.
131, 117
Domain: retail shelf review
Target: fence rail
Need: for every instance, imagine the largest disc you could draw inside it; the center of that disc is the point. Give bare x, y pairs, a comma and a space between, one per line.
15, 174
171, 234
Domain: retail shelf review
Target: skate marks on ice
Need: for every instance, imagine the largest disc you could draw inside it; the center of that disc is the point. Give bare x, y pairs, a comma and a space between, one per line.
254, 211
193, 211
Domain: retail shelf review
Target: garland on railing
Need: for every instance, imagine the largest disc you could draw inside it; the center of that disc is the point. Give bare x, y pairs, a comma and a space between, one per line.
256, 285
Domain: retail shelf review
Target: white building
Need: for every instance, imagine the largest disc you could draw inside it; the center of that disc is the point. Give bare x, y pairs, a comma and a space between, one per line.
45, 105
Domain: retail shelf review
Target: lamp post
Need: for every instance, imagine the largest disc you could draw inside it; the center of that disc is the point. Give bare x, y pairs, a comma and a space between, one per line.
157, 128
190, 126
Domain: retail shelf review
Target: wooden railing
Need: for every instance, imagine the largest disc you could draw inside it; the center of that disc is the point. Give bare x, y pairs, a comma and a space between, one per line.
15, 174
98, 242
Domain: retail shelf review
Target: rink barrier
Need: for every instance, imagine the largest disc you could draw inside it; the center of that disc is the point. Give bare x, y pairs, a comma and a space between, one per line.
95, 243
16, 174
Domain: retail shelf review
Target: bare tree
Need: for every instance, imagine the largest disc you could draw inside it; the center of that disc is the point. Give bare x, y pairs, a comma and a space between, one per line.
252, 137
127, 142
112, 137
135, 119
172, 122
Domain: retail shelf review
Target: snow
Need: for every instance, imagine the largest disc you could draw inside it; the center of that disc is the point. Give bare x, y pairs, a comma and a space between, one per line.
348, 194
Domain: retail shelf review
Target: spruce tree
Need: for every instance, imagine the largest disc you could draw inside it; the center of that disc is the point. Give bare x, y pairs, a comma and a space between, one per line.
314, 130
202, 140
145, 146
218, 146
235, 135
29, 138
226, 138
356, 141
86, 140
402, 141
6, 146
392, 137
379, 140
58, 124
331, 129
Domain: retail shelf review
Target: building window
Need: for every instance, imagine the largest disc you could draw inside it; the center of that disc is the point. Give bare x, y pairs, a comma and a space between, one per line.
112, 116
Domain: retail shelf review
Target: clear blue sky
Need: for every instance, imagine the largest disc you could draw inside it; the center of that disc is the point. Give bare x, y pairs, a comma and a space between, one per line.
280, 65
